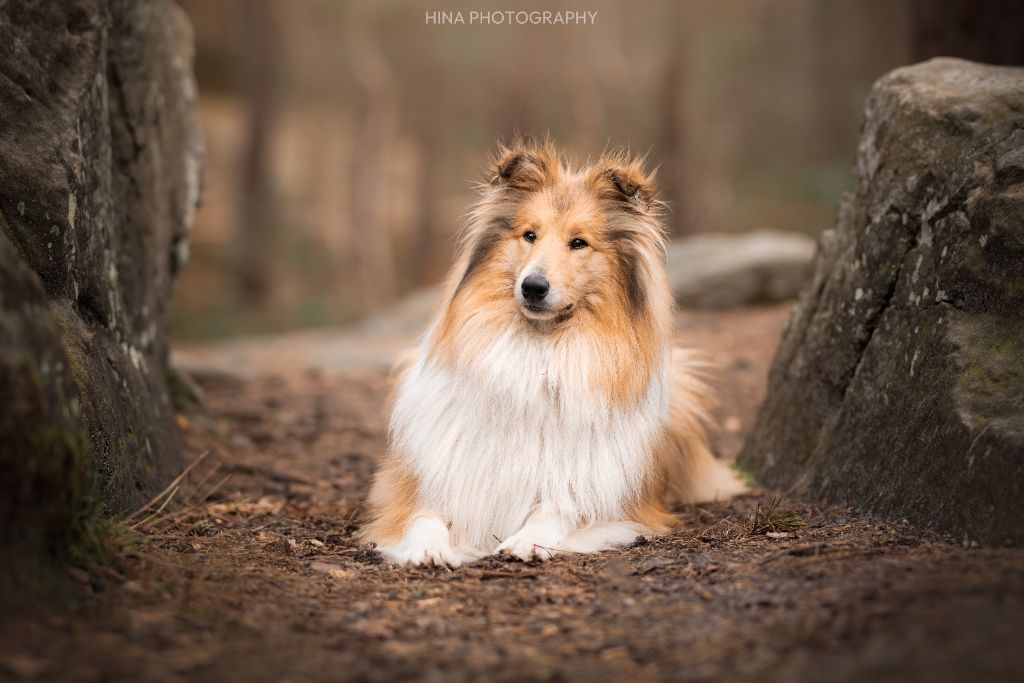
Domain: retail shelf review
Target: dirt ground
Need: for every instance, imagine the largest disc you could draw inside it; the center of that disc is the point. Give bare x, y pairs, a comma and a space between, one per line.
251, 572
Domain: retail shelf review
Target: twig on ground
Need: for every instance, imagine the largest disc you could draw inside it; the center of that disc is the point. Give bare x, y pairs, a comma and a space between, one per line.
160, 509
173, 484
276, 475
199, 486
171, 516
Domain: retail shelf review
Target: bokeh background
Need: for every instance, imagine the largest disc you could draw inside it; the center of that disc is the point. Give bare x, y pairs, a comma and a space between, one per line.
343, 138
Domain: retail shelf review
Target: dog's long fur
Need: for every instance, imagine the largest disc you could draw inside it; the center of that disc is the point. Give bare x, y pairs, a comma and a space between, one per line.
571, 428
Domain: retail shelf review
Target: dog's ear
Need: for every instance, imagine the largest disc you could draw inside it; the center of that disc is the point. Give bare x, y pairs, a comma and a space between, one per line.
523, 165
619, 177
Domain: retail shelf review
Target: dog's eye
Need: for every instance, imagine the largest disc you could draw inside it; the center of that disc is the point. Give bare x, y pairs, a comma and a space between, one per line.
530, 236
577, 243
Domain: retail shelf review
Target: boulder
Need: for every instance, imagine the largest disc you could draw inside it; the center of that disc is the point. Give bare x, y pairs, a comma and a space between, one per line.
724, 271
41, 422
100, 157
898, 386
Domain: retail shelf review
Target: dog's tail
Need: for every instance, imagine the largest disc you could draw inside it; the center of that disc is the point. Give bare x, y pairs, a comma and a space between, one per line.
692, 472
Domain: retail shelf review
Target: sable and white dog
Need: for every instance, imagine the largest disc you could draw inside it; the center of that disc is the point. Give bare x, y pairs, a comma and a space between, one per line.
545, 409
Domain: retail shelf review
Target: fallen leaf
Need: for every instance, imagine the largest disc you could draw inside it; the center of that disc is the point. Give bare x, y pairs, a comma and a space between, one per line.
332, 570
614, 653
265, 505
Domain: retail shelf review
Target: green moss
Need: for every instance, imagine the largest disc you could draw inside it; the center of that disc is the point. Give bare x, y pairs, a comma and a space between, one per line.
94, 538
59, 463
69, 340
746, 475
57, 451
90, 533
991, 378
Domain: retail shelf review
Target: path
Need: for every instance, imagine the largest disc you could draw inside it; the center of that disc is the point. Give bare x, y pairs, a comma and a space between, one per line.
258, 578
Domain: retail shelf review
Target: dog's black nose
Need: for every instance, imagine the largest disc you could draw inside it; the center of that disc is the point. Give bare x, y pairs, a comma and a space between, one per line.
535, 287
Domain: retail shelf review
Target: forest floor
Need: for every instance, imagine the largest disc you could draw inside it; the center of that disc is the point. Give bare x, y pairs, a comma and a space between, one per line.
252, 572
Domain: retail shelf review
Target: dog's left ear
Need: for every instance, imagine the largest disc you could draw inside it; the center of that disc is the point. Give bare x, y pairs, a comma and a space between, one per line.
621, 178
525, 164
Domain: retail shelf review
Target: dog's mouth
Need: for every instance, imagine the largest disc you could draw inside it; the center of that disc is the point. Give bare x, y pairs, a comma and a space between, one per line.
542, 312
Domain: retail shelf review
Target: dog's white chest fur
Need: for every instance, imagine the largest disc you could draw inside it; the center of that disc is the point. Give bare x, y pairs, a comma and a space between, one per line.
519, 427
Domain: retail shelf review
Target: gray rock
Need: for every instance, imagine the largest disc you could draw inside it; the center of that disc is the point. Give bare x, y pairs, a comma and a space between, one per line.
723, 271
899, 382
100, 158
41, 431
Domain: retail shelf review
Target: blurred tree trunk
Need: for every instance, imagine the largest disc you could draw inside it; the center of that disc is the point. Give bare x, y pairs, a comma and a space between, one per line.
258, 54
672, 127
990, 31
428, 130
515, 95
375, 131
583, 94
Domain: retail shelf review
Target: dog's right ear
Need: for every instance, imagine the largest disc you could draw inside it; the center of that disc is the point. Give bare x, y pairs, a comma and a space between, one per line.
524, 165
622, 178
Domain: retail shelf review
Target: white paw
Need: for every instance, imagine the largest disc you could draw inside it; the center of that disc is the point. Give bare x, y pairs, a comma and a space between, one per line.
525, 549
426, 542
429, 554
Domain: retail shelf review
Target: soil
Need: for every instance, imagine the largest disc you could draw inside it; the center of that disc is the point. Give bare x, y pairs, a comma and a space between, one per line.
252, 572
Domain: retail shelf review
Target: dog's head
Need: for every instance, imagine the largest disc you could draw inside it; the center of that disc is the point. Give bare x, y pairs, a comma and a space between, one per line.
555, 242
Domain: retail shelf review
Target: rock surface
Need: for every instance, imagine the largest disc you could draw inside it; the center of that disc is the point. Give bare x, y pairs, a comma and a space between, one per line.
100, 158
40, 423
899, 382
725, 271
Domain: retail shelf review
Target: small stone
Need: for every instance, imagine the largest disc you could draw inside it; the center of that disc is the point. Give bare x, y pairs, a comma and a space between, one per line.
653, 563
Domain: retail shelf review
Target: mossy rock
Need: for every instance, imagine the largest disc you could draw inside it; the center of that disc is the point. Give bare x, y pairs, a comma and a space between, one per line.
899, 382
100, 162
43, 435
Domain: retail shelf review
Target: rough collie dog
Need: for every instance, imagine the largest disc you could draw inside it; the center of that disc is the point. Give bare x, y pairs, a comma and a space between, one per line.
545, 410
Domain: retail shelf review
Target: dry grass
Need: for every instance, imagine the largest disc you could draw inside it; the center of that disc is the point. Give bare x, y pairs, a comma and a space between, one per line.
771, 519
162, 510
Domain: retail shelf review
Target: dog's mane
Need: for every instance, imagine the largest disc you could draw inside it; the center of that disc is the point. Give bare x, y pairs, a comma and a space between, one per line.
628, 331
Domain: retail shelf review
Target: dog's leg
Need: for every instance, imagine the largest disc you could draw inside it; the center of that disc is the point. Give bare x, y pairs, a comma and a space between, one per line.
426, 541
603, 536
540, 538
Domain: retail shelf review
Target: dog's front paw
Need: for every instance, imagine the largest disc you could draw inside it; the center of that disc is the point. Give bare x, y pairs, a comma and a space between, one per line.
522, 548
426, 543
429, 554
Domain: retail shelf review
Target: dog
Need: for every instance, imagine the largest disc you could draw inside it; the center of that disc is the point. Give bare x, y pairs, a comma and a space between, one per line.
545, 409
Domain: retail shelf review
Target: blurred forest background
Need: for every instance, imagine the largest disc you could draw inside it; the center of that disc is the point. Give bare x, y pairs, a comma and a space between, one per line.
343, 138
